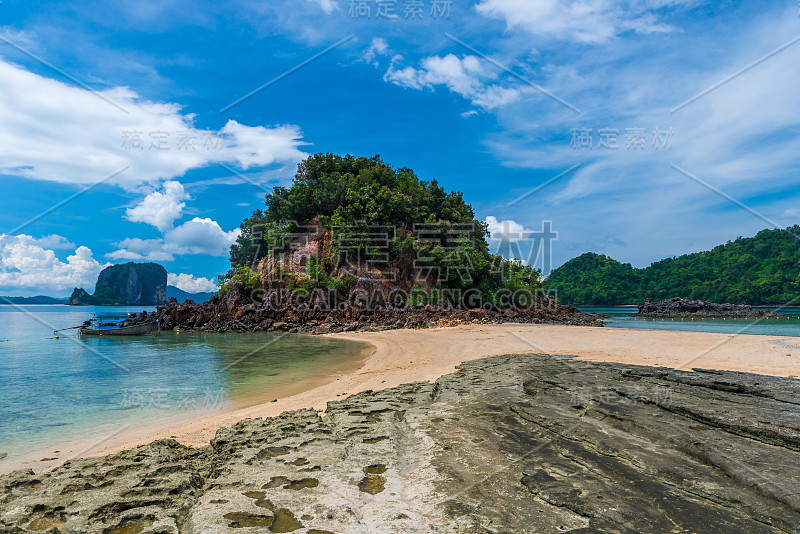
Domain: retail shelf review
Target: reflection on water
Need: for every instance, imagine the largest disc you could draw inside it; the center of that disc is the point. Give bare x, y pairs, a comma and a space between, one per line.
621, 318
61, 389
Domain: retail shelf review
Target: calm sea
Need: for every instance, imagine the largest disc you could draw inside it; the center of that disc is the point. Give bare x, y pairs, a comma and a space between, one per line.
54, 391
621, 318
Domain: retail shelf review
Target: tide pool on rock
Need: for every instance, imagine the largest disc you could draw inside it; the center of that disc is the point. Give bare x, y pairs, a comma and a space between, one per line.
68, 389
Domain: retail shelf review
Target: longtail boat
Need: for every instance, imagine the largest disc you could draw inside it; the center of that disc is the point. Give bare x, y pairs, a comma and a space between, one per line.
108, 327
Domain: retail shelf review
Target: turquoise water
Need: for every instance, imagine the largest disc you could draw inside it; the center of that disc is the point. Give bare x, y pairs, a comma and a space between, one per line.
59, 390
620, 318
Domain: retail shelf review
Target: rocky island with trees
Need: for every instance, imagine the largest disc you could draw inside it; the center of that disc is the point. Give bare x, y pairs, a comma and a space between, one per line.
356, 244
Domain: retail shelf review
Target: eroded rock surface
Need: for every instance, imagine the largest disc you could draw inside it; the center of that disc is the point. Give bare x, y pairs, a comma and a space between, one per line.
519, 443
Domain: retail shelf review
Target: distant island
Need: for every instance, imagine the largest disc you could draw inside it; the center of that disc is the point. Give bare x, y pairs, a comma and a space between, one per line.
759, 270
129, 284
182, 296
172, 291
39, 299
126, 284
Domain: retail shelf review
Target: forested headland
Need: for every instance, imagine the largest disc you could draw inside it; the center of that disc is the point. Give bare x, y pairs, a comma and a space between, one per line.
759, 270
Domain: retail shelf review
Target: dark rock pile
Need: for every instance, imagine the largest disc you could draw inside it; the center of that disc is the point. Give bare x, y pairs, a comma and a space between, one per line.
678, 307
236, 312
518, 443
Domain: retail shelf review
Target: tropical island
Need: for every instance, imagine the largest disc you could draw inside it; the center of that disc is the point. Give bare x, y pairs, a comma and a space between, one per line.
131, 283
224, 313
470, 425
356, 244
759, 270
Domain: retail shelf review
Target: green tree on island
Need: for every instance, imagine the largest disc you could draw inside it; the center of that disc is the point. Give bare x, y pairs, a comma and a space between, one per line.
346, 197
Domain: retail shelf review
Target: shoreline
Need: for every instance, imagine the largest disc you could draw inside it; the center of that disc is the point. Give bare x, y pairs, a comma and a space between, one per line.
117, 437
395, 357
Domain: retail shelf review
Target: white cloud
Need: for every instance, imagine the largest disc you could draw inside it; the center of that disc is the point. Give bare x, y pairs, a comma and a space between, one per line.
328, 6
57, 132
160, 208
198, 236
27, 267
591, 21
54, 241
134, 248
407, 77
465, 76
202, 236
738, 138
190, 283
378, 47
512, 240
508, 228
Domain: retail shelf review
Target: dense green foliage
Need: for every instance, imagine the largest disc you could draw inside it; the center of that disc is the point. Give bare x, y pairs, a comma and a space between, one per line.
371, 210
764, 269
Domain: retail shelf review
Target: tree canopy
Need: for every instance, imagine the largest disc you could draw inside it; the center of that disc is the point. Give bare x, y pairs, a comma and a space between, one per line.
370, 208
764, 269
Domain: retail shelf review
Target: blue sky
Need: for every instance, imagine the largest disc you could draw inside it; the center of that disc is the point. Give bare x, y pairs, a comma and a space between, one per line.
491, 97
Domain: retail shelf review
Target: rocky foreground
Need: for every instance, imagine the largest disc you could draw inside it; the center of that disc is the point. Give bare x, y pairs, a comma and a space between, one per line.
678, 307
238, 312
519, 443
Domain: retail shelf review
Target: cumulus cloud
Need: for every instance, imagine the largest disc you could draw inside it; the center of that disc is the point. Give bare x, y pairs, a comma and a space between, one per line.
508, 228
160, 208
190, 283
512, 240
202, 236
467, 77
590, 21
377, 47
27, 266
53, 131
134, 248
54, 241
198, 236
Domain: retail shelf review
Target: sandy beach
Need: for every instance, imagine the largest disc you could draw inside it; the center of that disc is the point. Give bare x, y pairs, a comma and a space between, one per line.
398, 454
402, 356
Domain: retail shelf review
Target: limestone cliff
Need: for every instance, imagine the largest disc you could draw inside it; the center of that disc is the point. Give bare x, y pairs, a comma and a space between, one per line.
127, 284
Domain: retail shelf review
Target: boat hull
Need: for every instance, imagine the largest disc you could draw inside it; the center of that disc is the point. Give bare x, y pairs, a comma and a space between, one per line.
135, 330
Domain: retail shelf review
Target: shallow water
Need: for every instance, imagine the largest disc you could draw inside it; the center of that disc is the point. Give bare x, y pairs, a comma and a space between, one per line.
59, 390
620, 318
